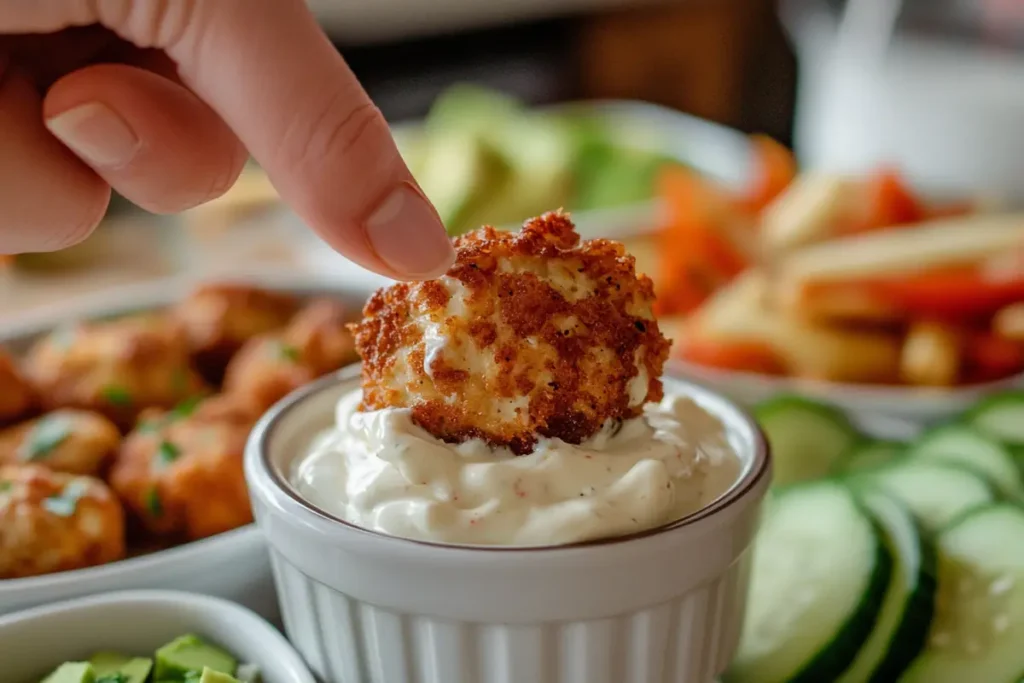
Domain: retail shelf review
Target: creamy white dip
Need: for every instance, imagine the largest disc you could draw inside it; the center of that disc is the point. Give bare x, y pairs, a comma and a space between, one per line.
381, 471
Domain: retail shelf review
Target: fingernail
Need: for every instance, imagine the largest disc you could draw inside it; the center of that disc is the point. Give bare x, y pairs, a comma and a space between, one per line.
408, 236
97, 134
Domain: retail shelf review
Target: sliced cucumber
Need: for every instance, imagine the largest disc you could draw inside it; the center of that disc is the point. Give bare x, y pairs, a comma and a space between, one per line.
820, 575
935, 492
807, 438
1000, 417
964, 446
872, 454
906, 616
978, 630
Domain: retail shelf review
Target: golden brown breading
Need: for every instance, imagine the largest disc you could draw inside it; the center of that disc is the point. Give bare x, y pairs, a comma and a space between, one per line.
16, 396
320, 334
73, 441
219, 318
116, 367
266, 370
180, 472
52, 522
529, 334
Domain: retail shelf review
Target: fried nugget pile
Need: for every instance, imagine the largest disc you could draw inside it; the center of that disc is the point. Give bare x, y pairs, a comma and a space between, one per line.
530, 334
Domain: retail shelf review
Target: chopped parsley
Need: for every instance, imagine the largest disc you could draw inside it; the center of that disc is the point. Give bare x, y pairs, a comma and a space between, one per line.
167, 452
66, 502
153, 504
46, 435
118, 396
186, 407
6, 486
287, 352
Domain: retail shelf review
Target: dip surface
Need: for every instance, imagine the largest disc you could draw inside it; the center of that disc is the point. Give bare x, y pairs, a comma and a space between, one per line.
381, 471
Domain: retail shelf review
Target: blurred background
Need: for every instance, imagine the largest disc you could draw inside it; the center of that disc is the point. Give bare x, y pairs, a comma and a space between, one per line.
507, 109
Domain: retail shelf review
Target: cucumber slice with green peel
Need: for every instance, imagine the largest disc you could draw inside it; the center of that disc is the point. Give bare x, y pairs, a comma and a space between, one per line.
1000, 417
872, 454
935, 492
978, 630
819, 579
965, 446
807, 438
906, 616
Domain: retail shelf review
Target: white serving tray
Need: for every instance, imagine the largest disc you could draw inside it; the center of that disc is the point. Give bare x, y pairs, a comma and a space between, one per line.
233, 565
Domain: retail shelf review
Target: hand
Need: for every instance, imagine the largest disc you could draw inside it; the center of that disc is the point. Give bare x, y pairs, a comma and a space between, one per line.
160, 99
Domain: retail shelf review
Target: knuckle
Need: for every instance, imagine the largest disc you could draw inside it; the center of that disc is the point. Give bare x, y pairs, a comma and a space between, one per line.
338, 129
154, 23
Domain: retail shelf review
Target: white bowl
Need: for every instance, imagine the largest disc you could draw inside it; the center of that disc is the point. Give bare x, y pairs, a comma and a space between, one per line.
36, 641
234, 565
923, 406
660, 606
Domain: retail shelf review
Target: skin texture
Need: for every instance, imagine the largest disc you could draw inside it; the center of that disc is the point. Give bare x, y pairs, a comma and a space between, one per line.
164, 100
529, 334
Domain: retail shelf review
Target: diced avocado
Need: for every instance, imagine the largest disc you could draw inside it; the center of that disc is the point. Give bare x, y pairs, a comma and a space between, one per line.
471, 109
72, 672
458, 172
190, 653
134, 670
211, 676
108, 662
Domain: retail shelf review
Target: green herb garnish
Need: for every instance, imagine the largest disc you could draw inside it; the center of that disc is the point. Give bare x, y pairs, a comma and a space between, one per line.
186, 407
193, 676
288, 352
167, 452
118, 396
115, 677
66, 502
45, 436
153, 503
6, 486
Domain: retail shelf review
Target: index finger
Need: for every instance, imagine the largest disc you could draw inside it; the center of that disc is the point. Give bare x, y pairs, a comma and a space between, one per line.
270, 72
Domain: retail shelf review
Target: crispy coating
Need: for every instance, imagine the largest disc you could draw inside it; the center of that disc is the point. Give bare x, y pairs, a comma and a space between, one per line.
16, 395
180, 472
115, 367
320, 334
219, 318
73, 441
269, 367
52, 522
529, 334
266, 370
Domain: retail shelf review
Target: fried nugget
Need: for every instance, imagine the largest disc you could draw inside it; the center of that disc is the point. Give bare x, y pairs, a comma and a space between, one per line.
116, 367
219, 318
529, 334
54, 522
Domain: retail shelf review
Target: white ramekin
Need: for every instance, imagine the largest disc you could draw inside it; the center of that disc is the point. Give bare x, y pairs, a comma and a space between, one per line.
662, 606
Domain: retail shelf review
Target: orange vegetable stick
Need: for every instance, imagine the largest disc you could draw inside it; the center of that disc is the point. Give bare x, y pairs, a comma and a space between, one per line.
775, 170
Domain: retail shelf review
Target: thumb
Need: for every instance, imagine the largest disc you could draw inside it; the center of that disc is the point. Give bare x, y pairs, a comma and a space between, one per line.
267, 69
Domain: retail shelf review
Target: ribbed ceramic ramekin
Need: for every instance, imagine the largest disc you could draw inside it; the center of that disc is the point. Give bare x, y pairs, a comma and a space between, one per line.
662, 606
